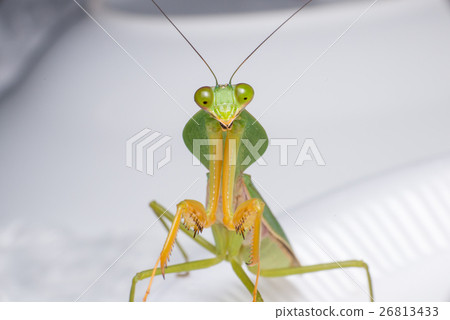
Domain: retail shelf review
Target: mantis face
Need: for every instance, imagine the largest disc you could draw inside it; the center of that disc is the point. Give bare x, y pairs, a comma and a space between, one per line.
224, 102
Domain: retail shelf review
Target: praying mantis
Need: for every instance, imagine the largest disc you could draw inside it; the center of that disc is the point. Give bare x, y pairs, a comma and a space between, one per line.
244, 228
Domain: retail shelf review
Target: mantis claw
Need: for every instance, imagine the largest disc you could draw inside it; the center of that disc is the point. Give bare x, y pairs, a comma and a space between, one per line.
246, 215
194, 215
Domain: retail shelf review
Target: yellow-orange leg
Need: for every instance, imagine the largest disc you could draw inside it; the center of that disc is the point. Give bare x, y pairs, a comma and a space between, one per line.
194, 214
255, 291
151, 280
194, 217
247, 218
248, 214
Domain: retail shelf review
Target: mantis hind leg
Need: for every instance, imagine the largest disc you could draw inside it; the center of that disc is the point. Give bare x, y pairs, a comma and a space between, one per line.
321, 267
178, 268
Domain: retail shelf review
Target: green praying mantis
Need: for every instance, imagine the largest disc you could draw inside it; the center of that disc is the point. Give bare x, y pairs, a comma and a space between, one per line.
243, 227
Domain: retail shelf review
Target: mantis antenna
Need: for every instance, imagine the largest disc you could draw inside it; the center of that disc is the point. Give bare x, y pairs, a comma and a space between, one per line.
181, 33
267, 38
251, 53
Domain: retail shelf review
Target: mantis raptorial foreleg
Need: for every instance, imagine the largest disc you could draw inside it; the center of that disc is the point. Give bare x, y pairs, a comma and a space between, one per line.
161, 218
160, 211
177, 268
186, 211
192, 213
321, 267
248, 215
248, 218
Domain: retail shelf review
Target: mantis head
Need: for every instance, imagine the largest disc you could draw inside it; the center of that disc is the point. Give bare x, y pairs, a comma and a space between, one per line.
224, 102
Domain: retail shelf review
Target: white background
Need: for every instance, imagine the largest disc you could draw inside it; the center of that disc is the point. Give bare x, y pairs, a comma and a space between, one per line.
376, 104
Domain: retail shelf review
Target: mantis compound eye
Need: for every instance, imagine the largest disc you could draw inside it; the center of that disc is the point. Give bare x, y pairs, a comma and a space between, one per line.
244, 93
204, 97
